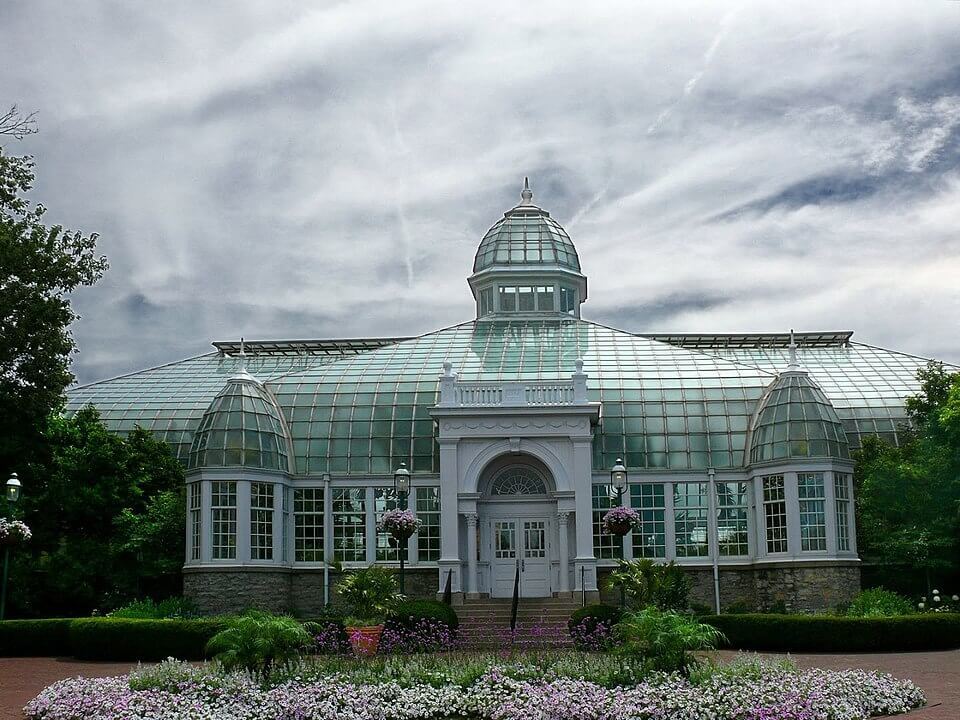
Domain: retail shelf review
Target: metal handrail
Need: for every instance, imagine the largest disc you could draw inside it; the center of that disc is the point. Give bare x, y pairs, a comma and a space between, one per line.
516, 599
447, 590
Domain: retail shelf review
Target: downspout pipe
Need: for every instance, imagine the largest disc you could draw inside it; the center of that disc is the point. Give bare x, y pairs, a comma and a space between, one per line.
712, 475
329, 550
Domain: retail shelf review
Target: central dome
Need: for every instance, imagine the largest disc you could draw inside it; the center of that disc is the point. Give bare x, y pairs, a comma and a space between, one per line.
526, 236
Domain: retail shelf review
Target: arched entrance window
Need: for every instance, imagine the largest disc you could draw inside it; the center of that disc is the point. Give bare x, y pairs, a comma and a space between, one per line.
518, 480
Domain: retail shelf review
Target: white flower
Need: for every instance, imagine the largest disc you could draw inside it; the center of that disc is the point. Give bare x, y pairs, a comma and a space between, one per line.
936, 592
923, 599
921, 605
936, 598
955, 597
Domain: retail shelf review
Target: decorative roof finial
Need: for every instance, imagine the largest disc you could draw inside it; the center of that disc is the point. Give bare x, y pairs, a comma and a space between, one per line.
793, 353
243, 357
527, 195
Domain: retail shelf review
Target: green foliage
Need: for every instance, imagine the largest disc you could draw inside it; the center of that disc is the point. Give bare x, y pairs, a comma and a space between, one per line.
908, 497
591, 615
256, 641
369, 595
107, 519
175, 607
750, 668
130, 639
663, 641
825, 633
408, 613
664, 586
878, 602
20, 638
39, 267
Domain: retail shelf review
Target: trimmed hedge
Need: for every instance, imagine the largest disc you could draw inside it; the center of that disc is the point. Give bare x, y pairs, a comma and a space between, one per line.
824, 633
409, 612
40, 638
130, 639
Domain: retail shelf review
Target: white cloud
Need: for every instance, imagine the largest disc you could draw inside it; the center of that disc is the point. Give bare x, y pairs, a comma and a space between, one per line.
269, 169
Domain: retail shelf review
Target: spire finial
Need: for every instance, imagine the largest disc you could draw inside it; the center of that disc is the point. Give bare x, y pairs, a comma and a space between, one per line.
793, 353
243, 357
527, 195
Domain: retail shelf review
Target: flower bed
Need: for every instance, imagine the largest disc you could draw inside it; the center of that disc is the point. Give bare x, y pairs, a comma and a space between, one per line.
501, 692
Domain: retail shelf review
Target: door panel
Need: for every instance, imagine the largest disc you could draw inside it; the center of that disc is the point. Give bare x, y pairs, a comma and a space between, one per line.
535, 567
503, 565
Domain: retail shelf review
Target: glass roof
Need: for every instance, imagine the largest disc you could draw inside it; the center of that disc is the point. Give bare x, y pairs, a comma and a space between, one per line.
795, 420
664, 407
867, 385
526, 235
242, 427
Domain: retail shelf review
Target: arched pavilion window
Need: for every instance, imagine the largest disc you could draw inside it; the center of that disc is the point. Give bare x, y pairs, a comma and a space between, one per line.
518, 480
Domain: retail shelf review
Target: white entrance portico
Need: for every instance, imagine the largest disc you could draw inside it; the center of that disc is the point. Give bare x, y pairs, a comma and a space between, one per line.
515, 462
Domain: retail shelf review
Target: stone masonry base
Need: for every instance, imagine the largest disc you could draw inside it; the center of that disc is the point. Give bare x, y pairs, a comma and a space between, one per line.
794, 587
299, 592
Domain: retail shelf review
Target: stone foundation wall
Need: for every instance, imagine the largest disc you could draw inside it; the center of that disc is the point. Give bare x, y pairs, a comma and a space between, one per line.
798, 588
300, 591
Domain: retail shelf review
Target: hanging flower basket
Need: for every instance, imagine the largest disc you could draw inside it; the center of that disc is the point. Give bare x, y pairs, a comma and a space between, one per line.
401, 524
620, 521
13, 532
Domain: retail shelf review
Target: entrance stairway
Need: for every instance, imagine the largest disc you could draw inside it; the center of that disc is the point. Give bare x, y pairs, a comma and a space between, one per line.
541, 623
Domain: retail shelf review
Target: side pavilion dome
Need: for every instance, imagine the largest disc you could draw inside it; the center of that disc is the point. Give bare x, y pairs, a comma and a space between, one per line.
242, 427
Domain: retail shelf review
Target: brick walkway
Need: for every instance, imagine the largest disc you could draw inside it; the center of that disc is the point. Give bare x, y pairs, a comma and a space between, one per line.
938, 673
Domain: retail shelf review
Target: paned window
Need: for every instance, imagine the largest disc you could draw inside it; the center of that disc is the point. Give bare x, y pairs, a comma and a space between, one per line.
385, 499
545, 298
486, 301
428, 512
223, 520
261, 521
841, 491
350, 524
308, 525
813, 518
604, 546
568, 300
775, 513
649, 538
525, 299
732, 518
195, 521
508, 299
690, 512
518, 480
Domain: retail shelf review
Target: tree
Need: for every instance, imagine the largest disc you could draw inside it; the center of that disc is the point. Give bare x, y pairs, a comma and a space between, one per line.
39, 267
107, 518
908, 497
17, 125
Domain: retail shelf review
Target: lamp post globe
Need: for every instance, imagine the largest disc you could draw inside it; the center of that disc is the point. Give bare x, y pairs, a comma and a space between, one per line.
618, 479
13, 488
401, 484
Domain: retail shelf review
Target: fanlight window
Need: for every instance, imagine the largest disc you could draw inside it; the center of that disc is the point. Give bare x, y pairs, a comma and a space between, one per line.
518, 480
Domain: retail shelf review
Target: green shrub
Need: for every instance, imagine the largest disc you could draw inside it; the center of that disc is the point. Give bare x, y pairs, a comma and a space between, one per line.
147, 609
878, 602
408, 613
131, 639
645, 582
663, 641
44, 638
825, 633
256, 641
589, 616
369, 595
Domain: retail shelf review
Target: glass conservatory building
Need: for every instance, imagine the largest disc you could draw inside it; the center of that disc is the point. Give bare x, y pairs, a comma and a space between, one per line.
737, 447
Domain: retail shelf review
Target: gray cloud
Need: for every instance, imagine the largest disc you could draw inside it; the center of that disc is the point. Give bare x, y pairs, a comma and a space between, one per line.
280, 168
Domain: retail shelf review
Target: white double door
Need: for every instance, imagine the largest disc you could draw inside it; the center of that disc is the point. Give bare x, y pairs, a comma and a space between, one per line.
520, 545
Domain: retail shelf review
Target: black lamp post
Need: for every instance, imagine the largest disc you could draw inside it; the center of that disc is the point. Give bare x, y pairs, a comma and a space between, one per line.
618, 480
12, 495
401, 486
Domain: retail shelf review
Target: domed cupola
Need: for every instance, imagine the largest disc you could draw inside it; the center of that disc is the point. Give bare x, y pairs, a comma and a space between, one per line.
795, 420
526, 264
242, 427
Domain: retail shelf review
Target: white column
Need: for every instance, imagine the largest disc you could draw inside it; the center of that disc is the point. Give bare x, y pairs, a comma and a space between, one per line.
243, 521
472, 553
830, 512
793, 513
585, 565
278, 491
449, 517
563, 518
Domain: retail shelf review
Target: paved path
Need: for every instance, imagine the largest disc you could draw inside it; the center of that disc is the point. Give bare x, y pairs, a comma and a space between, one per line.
938, 673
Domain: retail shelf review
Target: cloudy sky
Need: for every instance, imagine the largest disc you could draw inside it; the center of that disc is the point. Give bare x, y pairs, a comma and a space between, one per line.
291, 169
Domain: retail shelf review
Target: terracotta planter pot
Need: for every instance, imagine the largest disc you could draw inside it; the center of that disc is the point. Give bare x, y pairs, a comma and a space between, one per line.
365, 640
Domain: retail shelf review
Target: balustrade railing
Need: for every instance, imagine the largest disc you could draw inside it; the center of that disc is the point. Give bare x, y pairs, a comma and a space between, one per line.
531, 393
